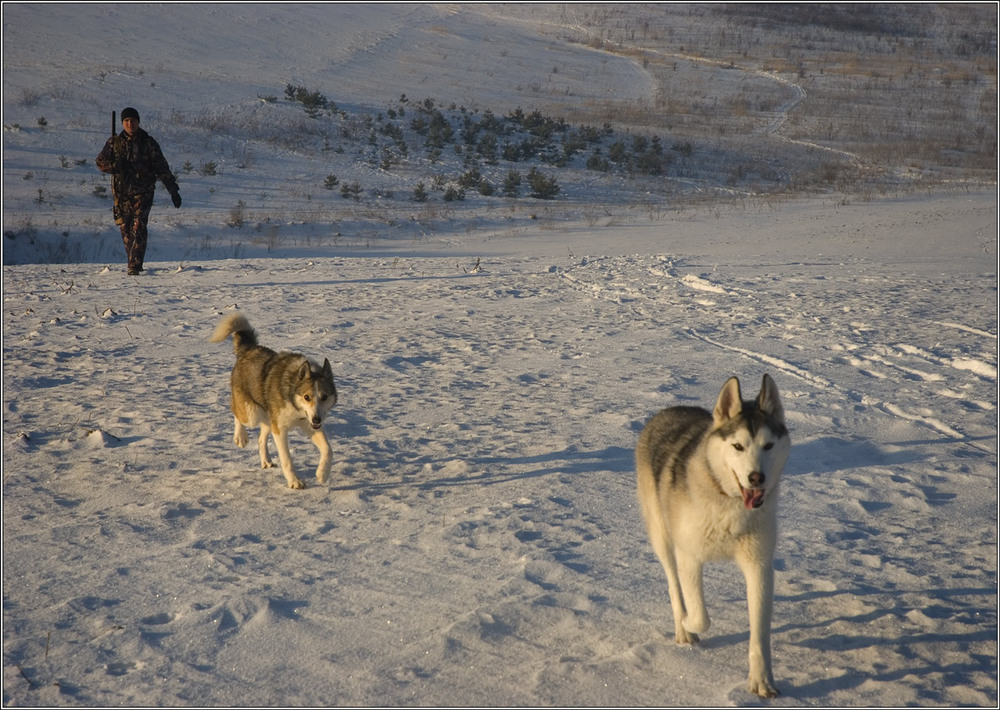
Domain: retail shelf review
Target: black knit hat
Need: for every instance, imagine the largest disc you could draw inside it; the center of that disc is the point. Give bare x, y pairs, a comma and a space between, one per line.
130, 113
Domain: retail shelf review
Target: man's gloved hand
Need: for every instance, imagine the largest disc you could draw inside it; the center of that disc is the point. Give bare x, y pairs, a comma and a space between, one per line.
176, 197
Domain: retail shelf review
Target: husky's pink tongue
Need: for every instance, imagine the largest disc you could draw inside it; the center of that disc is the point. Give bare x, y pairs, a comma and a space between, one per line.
752, 497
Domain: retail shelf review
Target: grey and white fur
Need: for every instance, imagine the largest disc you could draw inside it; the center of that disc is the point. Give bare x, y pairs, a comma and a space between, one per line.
708, 490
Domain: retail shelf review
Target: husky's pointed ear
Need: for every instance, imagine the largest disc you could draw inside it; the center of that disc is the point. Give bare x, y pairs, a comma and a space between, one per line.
768, 400
304, 371
327, 370
730, 402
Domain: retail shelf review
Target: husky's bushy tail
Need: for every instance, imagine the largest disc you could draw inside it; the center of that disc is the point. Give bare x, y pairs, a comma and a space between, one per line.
236, 325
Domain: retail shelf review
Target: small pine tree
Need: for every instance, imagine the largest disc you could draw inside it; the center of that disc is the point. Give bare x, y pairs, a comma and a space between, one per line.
420, 192
453, 193
470, 179
487, 148
512, 183
598, 162
542, 187
617, 152
352, 191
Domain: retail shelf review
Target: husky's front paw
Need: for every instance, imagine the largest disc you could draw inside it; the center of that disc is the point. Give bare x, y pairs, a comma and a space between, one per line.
683, 637
763, 687
296, 484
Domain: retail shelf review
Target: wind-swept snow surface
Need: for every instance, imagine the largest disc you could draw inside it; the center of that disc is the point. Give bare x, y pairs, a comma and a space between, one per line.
479, 542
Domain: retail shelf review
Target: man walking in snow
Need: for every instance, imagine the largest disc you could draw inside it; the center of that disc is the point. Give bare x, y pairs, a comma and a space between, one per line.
135, 162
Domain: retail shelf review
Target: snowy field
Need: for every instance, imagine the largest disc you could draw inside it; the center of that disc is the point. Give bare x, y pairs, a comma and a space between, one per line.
479, 542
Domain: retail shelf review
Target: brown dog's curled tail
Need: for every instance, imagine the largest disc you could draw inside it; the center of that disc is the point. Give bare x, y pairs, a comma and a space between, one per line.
236, 325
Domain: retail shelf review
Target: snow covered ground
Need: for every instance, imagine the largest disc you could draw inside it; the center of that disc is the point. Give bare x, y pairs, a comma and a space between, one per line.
479, 541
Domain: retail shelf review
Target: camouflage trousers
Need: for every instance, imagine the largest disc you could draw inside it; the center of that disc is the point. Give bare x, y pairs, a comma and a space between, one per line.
131, 214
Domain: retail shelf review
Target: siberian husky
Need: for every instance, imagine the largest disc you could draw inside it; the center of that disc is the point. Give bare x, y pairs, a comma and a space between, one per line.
277, 392
708, 489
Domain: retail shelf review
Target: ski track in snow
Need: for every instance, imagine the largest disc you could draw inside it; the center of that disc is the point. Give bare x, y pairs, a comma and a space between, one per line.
900, 355
478, 541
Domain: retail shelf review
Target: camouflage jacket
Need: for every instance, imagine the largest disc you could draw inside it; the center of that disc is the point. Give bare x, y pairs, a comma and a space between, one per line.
135, 163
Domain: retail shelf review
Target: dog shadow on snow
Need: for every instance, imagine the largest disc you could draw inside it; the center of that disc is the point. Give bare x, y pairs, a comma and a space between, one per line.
481, 468
973, 623
841, 676
971, 608
828, 454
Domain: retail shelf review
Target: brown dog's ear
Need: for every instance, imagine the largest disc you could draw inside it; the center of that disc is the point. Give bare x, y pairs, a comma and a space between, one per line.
768, 400
729, 403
